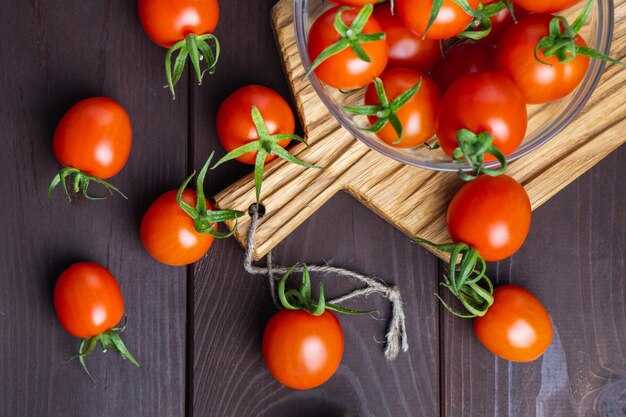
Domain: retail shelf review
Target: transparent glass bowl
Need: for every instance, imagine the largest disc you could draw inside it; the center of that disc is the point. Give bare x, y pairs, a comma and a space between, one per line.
545, 121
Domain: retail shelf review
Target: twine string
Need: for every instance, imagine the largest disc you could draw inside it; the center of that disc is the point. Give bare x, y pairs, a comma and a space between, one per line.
396, 332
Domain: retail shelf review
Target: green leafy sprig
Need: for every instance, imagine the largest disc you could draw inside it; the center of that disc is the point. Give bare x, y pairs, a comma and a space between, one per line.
561, 41
467, 272
80, 183
472, 149
351, 36
265, 145
480, 26
196, 48
205, 220
108, 340
385, 111
292, 299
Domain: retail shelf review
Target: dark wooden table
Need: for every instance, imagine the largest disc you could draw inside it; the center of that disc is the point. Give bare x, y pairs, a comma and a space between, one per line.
197, 330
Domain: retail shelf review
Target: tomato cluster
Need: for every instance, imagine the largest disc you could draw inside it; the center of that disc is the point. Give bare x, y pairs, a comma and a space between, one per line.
473, 98
498, 56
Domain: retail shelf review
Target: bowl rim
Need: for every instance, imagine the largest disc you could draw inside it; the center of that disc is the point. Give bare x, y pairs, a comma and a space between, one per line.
578, 98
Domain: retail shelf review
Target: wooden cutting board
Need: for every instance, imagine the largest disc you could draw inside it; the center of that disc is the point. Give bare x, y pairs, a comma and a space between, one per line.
412, 199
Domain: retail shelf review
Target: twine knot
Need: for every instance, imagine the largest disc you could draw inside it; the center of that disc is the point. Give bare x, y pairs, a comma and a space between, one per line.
396, 333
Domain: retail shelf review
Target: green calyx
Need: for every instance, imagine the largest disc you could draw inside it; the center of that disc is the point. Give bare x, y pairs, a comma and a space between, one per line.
472, 149
265, 145
480, 26
436, 8
467, 270
385, 111
80, 183
351, 36
108, 340
196, 48
301, 299
561, 41
205, 220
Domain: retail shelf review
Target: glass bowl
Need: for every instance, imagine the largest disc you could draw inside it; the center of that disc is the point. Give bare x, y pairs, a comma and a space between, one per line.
544, 121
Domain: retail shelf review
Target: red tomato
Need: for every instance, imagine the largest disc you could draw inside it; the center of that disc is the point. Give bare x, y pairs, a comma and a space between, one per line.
450, 21
418, 116
302, 351
538, 82
168, 21
406, 49
168, 233
517, 326
483, 102
88, 300
492, 214
546, 6
464, 59
235, 127
345, 70
94, 136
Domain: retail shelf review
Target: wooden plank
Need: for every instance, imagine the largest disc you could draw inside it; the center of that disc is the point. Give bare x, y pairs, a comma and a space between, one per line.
574, 262
232, 307
403, 195
54, 54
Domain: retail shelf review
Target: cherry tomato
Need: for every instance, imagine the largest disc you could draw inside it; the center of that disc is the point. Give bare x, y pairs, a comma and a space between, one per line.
539, 82
94, 136
450, 21
235, 127
88, 300
168, 233
546, 6
517, 326
418, 116
345, 70
461, 60
492, 214
168, 21
483, 102
406, 49
302, 351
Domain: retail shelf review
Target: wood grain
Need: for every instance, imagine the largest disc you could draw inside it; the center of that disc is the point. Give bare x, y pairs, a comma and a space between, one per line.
574, 262
54, 54
232, 307
412, 199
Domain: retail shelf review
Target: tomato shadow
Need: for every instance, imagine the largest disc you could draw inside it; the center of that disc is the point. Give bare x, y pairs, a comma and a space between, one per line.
304, 404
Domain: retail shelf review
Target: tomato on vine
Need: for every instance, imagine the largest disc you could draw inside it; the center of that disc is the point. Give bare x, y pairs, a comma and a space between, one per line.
479, 114
509, 321
184, 27
406, 49
303, 343
348, 48
89, 304
516, 327
179, 227
92, 142
436, 19
254, 125
401, 106
545, 56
